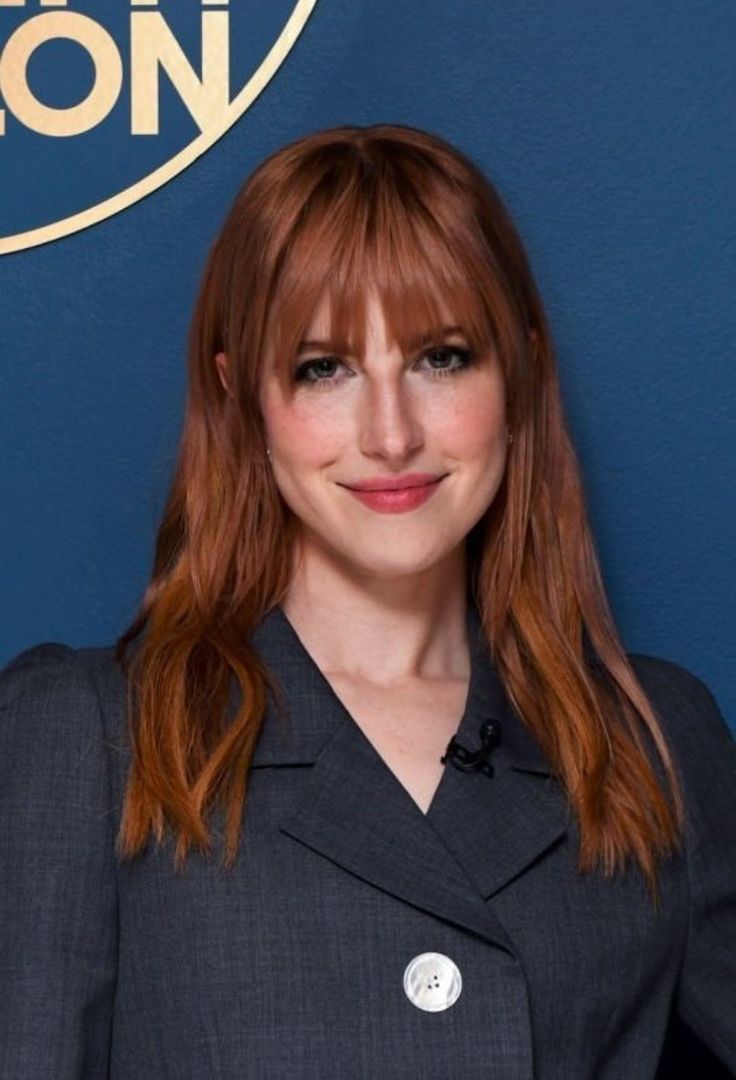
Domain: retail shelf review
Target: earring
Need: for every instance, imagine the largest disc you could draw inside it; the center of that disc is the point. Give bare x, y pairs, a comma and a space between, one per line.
511, 437
268, 451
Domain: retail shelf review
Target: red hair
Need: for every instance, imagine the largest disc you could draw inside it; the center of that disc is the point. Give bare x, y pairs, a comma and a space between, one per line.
406, 212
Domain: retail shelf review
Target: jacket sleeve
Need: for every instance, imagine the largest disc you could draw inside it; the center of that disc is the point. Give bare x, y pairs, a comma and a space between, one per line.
705, 754
58, 892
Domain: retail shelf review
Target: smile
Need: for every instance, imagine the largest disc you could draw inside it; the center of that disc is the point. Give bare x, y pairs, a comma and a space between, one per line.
397, 501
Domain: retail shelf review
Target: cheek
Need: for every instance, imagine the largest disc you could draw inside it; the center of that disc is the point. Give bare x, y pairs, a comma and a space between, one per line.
476, 422
302, 430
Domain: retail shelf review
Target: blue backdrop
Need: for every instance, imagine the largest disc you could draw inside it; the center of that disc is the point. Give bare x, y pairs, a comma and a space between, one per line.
608, 129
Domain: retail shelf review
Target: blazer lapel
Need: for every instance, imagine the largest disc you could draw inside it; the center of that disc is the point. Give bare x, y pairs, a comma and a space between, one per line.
496, 826
479, 832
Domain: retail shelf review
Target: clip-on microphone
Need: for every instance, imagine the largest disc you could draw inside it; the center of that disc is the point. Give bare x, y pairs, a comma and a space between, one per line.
471, 760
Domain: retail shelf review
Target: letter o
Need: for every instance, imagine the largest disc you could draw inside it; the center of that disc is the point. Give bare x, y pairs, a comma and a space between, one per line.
102, 51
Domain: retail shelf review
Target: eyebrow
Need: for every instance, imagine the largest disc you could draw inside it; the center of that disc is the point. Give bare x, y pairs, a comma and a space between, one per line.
343, 347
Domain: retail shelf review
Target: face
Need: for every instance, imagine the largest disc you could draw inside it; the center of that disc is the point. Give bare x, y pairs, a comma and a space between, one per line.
346, 420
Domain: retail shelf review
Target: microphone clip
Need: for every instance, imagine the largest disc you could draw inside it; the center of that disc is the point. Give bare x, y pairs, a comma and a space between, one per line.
475, 760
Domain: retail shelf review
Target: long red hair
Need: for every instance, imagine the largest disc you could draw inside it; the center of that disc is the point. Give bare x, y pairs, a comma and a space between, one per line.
406, 212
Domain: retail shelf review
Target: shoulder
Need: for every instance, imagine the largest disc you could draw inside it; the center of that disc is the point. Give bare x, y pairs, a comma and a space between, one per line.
689, 714
685, 704
56, 666
669, 679
34, 680
700, 740
52, 691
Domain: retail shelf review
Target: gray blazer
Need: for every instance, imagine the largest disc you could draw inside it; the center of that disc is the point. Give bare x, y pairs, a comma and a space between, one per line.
356, 937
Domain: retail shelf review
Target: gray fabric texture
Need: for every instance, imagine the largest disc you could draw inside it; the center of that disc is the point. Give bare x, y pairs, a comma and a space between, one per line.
290, 965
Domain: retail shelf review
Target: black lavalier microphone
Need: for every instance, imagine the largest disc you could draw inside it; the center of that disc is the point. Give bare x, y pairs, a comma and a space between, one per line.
472, 760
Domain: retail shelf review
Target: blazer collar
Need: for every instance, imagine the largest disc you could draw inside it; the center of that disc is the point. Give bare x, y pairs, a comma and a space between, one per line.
479, 833
296, 736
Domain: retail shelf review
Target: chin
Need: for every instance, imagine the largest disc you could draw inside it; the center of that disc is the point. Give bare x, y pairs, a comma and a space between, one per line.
403, 565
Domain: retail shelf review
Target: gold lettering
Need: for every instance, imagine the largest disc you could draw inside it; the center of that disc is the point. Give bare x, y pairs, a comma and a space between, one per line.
152, 45
21, 100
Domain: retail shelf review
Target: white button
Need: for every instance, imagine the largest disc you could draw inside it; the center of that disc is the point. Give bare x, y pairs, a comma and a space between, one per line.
432, 981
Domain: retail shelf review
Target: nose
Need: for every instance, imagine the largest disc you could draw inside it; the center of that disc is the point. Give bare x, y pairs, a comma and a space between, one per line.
390, 424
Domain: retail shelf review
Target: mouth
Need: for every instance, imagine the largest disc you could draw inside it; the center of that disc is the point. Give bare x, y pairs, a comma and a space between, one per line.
397, 499
397, 483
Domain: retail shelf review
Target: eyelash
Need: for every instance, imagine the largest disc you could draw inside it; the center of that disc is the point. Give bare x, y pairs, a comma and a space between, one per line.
466, 356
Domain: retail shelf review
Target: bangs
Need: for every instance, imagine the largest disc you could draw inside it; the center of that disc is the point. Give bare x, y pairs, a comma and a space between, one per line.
375, 233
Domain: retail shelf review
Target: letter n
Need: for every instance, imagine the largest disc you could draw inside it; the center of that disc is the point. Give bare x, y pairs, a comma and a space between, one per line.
152, 45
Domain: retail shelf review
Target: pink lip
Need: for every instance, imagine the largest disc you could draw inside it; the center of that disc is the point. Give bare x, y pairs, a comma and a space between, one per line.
393, 483
398, 500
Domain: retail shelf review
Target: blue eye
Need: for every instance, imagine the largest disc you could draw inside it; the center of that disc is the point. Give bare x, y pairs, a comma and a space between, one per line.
321, 369
303, 372
465, 357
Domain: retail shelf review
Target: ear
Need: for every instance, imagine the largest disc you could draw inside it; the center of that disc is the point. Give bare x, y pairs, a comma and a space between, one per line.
222, 363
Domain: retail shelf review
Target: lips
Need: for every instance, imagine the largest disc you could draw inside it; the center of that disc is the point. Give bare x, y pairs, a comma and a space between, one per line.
395, 483
398, 499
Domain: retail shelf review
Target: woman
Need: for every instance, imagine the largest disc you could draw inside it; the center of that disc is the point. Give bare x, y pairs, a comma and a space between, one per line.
370, 786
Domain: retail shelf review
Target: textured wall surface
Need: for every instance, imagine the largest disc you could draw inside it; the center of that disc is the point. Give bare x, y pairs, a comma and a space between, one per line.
608, 129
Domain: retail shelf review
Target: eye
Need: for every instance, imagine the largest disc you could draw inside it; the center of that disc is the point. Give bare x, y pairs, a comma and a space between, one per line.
465, 358
320, 371
323, 366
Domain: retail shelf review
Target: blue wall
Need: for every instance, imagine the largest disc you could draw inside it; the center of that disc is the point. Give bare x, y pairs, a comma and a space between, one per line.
609, 130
